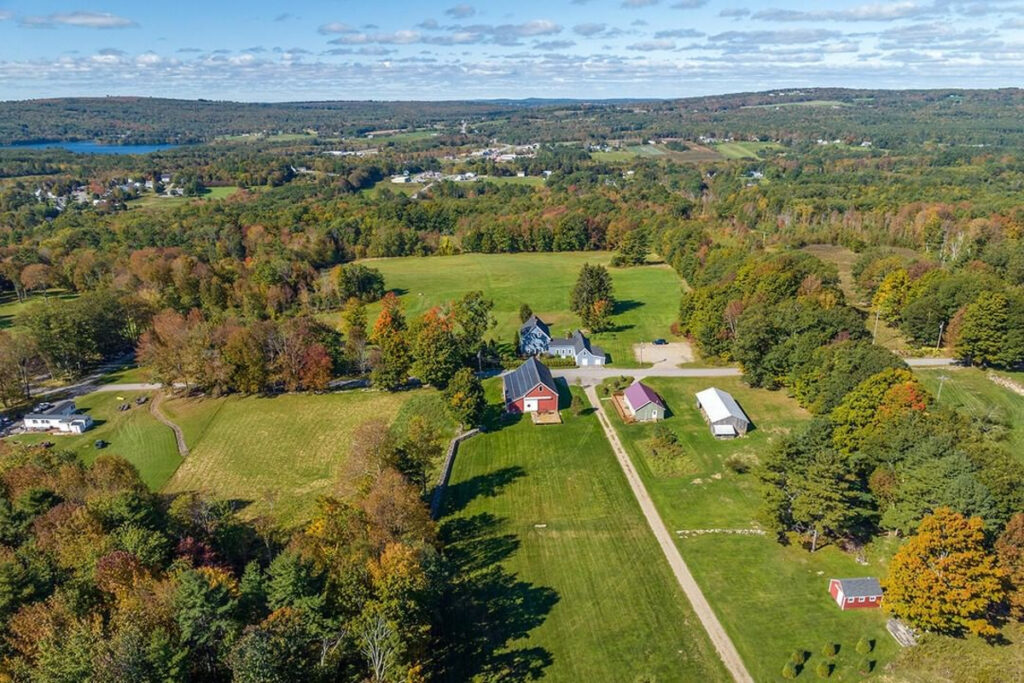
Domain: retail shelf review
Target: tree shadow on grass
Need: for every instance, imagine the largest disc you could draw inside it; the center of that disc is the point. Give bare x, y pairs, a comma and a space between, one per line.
459, 495
488, 607
625, 305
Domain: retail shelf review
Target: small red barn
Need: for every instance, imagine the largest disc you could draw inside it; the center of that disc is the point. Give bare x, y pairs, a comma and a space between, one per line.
856, 593
530, 388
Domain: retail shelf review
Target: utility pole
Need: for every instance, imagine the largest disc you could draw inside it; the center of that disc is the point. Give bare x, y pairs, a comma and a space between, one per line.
641, 353
942, 380
938, 342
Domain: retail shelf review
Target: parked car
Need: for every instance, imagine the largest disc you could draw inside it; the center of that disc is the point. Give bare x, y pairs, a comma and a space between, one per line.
659, 342
100, 443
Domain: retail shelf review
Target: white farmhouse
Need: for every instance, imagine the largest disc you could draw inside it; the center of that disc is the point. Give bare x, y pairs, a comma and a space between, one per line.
62, 417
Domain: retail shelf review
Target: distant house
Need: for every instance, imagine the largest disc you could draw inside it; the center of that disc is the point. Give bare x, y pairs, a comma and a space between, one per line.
62, 417
723, 415
643, 403
578, 348
530, 388
856, 593
534, 337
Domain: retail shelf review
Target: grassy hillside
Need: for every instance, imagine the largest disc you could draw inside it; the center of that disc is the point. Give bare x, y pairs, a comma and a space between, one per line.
135, 435
278, 454
648, 296
772, 599
562, 577
971, 392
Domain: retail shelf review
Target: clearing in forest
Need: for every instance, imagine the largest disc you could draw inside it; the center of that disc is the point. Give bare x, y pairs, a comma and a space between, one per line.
647, 296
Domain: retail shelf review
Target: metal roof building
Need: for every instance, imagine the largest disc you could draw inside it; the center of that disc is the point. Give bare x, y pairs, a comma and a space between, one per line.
723, 415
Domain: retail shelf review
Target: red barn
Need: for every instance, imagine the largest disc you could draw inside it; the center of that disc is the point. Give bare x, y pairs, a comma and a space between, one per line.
856, 593
530, 388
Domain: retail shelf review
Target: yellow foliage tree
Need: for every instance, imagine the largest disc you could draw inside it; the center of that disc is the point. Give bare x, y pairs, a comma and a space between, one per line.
942, 579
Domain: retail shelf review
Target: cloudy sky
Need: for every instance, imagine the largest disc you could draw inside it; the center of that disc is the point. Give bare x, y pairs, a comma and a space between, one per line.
392, 49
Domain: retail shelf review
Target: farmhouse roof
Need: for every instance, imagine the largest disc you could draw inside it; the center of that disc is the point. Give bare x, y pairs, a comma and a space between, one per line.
719, 405
639, 395
723, 430
860, 588
535, 322
520, 381
578, 343
59, 410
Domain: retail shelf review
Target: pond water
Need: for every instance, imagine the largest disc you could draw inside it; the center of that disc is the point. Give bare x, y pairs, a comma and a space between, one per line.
92, 147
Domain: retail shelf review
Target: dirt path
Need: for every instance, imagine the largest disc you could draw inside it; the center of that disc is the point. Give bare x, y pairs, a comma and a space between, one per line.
723, 644
179, 436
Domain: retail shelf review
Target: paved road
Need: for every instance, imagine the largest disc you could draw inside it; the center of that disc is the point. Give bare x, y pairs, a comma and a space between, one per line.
929, 362
587, 376
595, 375
719, 638
130, 386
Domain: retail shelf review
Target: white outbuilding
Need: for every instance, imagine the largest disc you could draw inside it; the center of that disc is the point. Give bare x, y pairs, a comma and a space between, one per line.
723, 415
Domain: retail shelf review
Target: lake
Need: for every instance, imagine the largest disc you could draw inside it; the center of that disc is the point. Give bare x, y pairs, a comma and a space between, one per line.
92, 147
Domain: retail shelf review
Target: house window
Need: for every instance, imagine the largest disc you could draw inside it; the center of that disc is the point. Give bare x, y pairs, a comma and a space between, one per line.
860, 599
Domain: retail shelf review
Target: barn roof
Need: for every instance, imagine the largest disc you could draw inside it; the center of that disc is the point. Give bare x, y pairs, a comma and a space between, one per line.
860, 588
719, 405
528, 375
638, 395
535, 322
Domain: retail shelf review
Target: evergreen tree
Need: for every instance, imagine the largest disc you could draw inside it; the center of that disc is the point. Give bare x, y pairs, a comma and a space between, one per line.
983, 334
591, 296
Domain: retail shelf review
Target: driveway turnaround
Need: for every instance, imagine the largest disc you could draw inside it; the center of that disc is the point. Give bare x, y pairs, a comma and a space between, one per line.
723, 644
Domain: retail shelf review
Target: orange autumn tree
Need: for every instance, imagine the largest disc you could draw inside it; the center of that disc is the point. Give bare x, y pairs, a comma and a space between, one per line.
943, 579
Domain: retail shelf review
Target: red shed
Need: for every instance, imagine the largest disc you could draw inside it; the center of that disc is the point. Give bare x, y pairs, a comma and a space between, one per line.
856, 593
530, 388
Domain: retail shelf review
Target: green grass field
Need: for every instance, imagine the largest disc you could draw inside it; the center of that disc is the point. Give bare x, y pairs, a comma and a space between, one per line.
943, 659
150, 200
646, 150
561, 576
135, 435
745, 150
531, 180
613, 156
772, 599
648, 296
971, 392
11, 308
278, 453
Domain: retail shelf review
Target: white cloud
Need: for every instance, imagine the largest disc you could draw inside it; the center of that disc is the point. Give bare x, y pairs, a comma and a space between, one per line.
649, 45
637, 4
589, 29
679, 33
884, 11
460, 11
103, 20
689, 4
336, 27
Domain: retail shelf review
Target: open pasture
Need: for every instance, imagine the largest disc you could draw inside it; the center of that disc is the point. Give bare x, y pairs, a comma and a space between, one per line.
277, 454
648, 296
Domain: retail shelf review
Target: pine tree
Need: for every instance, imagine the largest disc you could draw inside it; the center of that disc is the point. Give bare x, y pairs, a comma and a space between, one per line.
593, 285
985, 326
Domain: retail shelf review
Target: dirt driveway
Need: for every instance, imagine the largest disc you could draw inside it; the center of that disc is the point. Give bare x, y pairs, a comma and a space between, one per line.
665, 356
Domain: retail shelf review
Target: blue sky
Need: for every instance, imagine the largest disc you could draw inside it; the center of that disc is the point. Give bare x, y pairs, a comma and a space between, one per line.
272, 50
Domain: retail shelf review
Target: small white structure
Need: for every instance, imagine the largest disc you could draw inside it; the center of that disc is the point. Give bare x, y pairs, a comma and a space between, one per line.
62, 417
723, 415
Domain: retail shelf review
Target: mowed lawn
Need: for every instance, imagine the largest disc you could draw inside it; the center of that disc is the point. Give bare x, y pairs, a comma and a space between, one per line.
648, 297
276, 454
134, 434
970, 391
561, 577
772, 599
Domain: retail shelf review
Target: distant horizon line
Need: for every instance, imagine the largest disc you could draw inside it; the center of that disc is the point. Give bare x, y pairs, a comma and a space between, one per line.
780, 91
